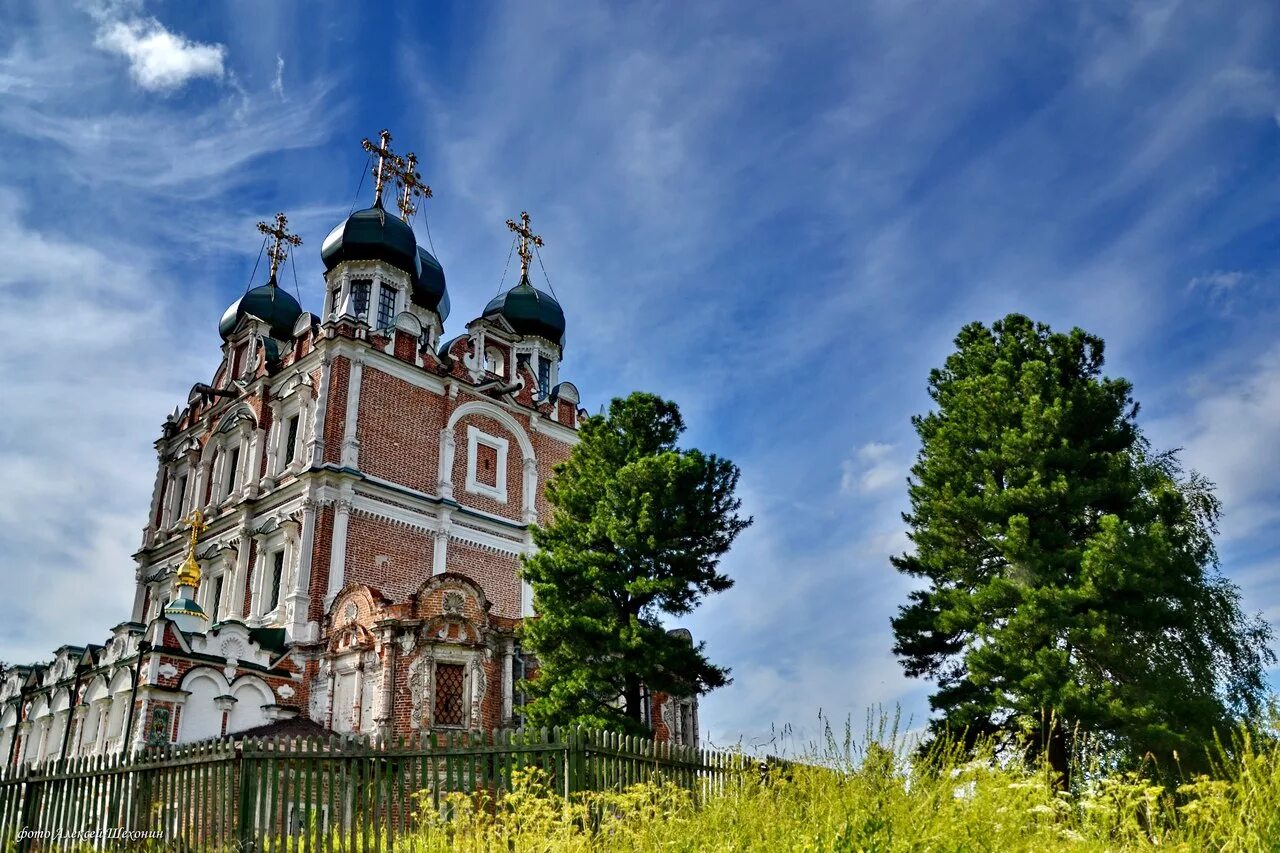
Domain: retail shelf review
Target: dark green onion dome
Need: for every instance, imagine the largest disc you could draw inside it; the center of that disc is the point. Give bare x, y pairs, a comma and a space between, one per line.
429, 290
373, 234
266, 302
529, 311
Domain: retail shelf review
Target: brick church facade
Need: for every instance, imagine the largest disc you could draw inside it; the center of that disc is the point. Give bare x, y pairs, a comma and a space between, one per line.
368, 486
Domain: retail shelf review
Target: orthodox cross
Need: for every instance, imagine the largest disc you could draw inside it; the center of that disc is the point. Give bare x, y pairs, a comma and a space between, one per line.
411, 185
283, 239
386, 167
189, 571
527, 237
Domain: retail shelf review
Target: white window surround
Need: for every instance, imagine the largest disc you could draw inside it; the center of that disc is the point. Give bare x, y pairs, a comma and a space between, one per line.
263, 566
494, 362
474, 439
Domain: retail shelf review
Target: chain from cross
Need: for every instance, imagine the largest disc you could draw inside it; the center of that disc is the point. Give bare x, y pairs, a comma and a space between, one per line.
386, 167
283, 239
527, 238
411, 185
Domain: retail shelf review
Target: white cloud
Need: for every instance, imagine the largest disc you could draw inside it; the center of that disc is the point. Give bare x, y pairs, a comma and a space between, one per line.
873, 468
277, 85
160, 60
1232, 435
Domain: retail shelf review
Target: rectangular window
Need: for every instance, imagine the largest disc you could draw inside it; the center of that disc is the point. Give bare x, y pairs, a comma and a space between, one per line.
360, 297
544, 376
291, 443
216, 604
180, 497
448, 705
277, 575
233, 462
386, 306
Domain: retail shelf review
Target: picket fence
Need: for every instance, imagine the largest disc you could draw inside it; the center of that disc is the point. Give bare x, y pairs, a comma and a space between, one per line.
311, 794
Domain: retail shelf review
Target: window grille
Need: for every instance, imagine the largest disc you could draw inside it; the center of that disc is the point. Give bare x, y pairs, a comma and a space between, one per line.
277, 575
291, 445
386, 306
360, 297
448, 704
544, 376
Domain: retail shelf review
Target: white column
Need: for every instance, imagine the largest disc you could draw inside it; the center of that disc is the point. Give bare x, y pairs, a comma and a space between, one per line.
448, 449
299, 597
274, 468
338, 551
157, 495
529, 490
440, 551
257, 445
240, 577
351, 444
139, 596
315, 441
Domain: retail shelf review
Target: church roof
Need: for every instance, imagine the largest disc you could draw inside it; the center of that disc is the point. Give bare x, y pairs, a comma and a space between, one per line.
269, 303
529, 311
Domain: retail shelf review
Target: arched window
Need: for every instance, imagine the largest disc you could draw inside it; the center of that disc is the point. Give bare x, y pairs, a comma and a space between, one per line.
493, 361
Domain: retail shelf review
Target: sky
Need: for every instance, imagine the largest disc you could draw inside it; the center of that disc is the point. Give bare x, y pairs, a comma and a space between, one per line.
778, 215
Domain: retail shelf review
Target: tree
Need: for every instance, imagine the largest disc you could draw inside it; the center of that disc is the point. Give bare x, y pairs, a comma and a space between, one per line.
1070, 575
637, 531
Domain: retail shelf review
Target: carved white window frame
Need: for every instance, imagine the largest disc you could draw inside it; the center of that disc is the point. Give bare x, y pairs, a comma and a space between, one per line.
282, 462
467, 660
475, 438
268, 546
223, 568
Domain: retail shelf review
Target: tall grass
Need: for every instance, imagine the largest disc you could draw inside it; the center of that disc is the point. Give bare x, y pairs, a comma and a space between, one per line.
880, 794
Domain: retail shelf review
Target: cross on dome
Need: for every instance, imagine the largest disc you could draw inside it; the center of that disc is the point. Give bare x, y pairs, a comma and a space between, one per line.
386, 168
411, 185
283, 239
527, 237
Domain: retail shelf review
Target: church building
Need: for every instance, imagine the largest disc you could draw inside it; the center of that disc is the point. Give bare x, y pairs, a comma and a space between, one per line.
338, 516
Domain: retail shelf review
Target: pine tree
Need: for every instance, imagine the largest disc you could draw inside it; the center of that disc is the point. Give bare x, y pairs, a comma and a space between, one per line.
1070, 575
636, 533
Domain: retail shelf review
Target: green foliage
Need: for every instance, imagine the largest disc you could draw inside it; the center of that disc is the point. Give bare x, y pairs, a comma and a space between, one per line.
637, 531
881, 795
1070, 580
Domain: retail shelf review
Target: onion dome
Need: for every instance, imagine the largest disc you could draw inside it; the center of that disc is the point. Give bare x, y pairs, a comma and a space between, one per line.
187, 615
529, 311
429, 289
267, 302
373, 234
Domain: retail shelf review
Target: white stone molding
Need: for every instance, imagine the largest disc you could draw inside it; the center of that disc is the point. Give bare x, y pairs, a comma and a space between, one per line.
350, 443
475, 438
338, 549
489, 410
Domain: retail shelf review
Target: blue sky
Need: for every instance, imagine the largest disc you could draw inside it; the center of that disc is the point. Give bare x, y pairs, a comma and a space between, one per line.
778, 215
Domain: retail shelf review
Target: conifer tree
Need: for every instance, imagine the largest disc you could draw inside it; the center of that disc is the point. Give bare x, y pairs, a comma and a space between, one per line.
1069, 574
637, 529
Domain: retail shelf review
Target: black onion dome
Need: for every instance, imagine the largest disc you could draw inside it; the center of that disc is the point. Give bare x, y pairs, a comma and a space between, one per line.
529, 311
429, 289
373, 234
267, 302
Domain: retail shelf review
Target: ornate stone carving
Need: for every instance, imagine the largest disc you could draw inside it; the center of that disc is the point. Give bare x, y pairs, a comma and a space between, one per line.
420, 672
407, 641
454, 602
167, 670
284, 691
478, 688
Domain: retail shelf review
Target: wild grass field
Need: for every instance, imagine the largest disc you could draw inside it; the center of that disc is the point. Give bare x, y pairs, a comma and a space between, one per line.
874, 795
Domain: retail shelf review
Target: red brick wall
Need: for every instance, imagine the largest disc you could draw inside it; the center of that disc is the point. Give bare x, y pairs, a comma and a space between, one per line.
335, 414
399, 430
408, 549
494, 571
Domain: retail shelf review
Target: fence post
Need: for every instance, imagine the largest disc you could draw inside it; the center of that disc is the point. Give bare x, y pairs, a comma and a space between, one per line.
244, 812
29, 797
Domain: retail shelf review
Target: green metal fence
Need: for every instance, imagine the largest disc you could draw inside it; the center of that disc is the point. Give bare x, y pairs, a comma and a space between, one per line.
313, 794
